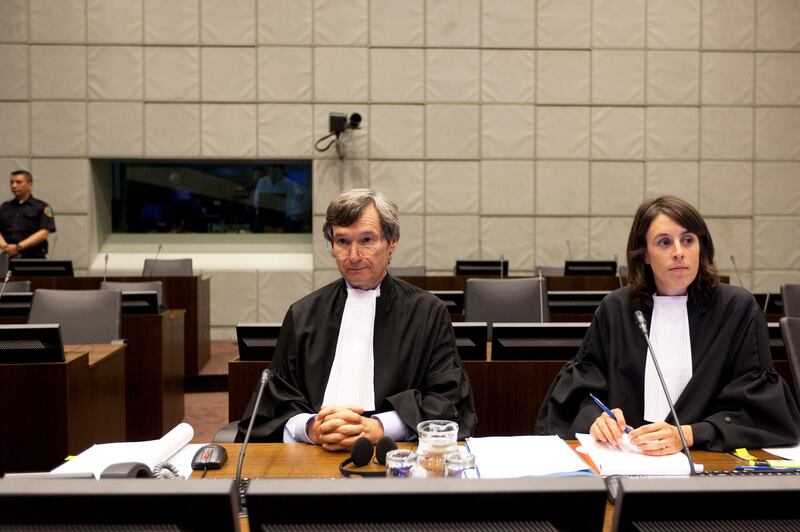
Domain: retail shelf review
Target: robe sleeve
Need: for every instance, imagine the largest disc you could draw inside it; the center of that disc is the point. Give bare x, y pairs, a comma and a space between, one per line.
567, 407
444, 391
283, 397
756, 407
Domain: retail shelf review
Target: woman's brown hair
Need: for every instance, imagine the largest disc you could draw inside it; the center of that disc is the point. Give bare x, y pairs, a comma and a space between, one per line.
640, 274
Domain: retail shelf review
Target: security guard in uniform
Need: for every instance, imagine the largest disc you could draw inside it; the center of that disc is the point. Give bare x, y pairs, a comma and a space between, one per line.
25, 222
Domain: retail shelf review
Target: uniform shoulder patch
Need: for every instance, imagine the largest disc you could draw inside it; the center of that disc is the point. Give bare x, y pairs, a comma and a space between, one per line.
48, 211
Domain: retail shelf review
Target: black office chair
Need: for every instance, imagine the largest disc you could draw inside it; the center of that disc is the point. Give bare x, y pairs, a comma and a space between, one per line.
790, 330
790, 294
167, 268
86, 316
506, 300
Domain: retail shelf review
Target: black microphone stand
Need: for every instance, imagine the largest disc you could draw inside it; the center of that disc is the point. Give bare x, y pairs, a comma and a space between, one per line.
642, 322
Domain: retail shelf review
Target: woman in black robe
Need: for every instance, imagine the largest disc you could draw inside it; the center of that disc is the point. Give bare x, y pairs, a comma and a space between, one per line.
734, 398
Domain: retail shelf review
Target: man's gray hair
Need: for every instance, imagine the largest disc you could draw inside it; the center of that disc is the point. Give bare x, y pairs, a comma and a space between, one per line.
348, 207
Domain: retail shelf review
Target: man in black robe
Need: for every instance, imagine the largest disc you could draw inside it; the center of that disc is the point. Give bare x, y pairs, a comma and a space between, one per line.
416, 372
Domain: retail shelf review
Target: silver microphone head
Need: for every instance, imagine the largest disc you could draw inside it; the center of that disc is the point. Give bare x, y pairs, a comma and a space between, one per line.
641, 321
733, 261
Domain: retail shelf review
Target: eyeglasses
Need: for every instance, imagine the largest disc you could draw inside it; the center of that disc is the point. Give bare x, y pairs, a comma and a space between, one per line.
364, 247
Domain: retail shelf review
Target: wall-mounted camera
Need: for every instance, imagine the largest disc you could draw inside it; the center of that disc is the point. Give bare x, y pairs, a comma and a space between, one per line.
338, 123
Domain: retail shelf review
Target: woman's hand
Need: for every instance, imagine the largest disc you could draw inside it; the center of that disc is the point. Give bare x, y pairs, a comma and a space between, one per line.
661, 438
606, 430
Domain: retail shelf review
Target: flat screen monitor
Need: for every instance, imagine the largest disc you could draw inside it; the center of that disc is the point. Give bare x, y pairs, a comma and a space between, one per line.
15, 304
481, 267
139, 302
567, 503
471, 339
24, 344
575, 302
453, 299
590, 267
257, 341
771, 303
537, 341
191, 505
721, 502
24, 268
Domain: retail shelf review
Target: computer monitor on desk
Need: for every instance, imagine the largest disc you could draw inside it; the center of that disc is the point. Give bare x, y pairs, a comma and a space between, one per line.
29, 344
257, 341
24, 268
720, 502
590, 267
453, 300
89, 504
471, 339
490, 267
15, 304
140, 302
537, 341
566, 503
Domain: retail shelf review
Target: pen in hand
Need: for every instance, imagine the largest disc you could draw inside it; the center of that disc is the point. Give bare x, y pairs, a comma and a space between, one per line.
605, 409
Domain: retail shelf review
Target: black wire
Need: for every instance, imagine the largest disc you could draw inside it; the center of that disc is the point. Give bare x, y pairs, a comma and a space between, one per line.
316, 144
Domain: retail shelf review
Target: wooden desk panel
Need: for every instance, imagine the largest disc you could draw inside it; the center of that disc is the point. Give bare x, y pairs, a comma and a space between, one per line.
154, 373
189, 293
51, 410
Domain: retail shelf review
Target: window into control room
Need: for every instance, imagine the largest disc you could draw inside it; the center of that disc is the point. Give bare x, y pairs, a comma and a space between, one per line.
207, 197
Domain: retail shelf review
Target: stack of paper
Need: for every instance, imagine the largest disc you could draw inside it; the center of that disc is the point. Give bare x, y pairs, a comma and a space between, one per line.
524, 456
172, 447
616, 461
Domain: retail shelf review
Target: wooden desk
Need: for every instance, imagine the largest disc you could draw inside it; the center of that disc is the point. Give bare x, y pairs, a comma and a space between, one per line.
153, 373
189, 293
298, 460
49, 411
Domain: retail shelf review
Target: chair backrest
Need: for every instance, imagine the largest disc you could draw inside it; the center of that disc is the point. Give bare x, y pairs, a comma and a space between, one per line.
790, 330
17, 286
134, 286
506, 300
86, 316
167, 268
790, 294
408, 271
549, 271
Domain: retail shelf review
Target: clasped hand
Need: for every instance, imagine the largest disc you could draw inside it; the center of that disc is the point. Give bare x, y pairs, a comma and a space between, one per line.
655, 439
337, 427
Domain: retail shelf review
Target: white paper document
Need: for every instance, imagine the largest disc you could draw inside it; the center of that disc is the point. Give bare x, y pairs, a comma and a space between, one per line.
172, 447
525, 456
789, 453
616, 461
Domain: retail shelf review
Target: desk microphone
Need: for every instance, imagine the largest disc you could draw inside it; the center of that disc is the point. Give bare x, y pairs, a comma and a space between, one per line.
642, 322
52, 251
541, 297
736, 270
5, 282
153, 264
569, 251
266, 375
105, 268
501, 265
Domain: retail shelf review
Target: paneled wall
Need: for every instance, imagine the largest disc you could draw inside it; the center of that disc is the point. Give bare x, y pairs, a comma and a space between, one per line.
526, 128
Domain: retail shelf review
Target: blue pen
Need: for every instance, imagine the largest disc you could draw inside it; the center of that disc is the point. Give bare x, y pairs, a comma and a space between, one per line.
768, 468
605, 409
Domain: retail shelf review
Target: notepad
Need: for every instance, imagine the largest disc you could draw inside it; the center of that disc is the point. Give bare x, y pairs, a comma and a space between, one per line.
612, 460
525, 456
173, 447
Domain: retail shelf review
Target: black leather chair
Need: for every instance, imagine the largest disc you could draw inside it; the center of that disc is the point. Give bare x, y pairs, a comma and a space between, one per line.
506, 300
790, 330
167, 268
790, 295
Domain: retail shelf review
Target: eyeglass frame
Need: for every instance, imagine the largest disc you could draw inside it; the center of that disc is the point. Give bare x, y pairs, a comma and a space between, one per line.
360, 248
